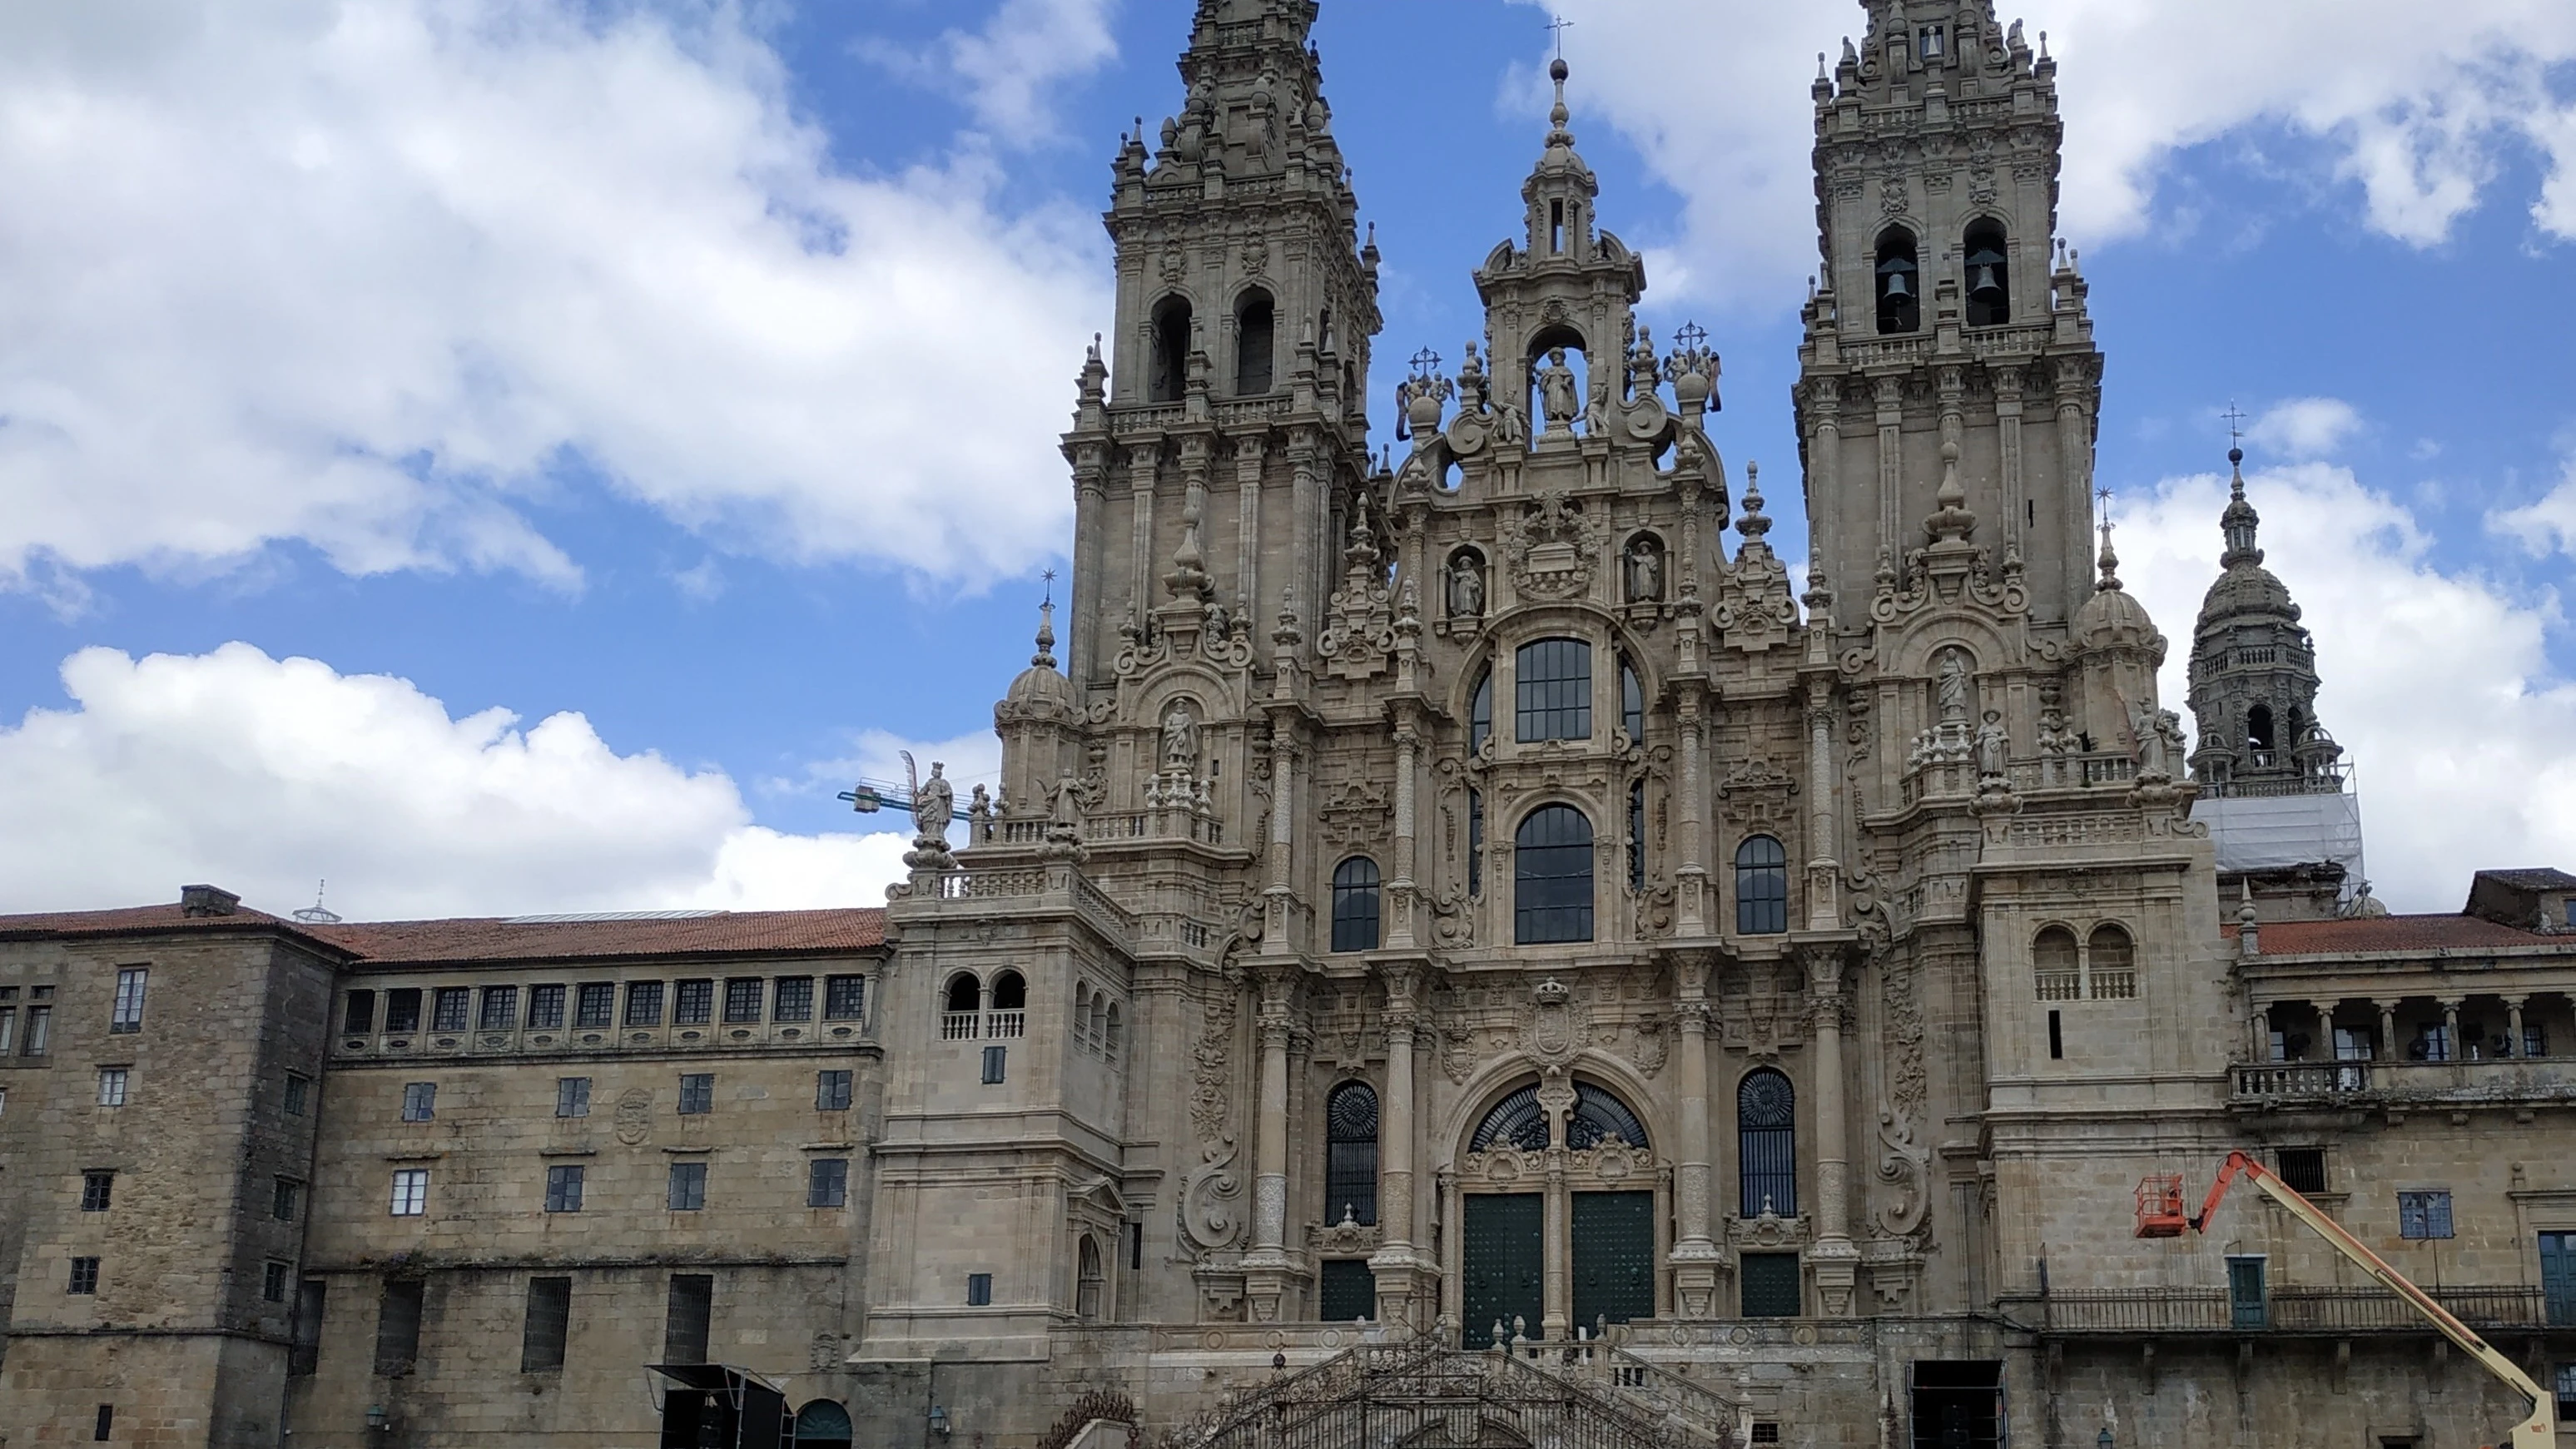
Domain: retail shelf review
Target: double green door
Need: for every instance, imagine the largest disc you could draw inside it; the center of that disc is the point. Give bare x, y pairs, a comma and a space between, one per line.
1505, 1259
1614, 1258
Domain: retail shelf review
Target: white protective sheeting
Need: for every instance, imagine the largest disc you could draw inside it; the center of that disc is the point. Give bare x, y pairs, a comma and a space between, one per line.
2271, 832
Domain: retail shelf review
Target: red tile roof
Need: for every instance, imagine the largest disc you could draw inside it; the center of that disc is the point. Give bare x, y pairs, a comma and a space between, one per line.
2393, 933
496, 938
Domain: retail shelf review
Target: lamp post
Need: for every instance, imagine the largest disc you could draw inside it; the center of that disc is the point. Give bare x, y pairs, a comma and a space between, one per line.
939, 1420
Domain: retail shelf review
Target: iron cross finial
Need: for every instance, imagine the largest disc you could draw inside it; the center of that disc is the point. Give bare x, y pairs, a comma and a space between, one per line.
1556, 31
2235, 423
1426, 363
1049, 576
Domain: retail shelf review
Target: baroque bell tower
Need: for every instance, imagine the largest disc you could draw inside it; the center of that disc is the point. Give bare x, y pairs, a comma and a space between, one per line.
1944, 342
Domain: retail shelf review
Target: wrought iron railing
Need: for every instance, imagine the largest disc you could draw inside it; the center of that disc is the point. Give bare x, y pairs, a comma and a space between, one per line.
2282, 1310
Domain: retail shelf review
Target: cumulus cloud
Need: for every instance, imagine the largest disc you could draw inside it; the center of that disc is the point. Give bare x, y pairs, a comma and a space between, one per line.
2438, 684
2306, 427
265, 775
2547, 524
2418, 114
1008, 67
381, 275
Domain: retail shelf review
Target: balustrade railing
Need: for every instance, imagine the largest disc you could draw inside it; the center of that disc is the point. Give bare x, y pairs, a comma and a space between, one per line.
958, 1025
2281, 1310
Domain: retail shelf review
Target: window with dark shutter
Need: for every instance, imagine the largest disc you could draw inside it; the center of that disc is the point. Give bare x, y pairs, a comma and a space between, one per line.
548, 1323
684, 1331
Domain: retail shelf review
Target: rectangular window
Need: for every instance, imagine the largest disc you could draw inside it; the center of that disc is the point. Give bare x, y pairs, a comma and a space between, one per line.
643, 1003
2567, 1393
105, 1427
831, 1091
8, 1029
358, 1013
688, 1190
420, 1101
1771, 1286
402, 1009
272, 1282
2056, 1036
398, 1329
2423, 1215
845, 998
84, 1277
97, 1190
500, 1009
2303, 1169
992, 1065
545, 1008
693, 1002
2558, 1278
2248, 1301
563, 1189
979, 1290
684, 1328
572, 1096
40, 1031
2432, 1042
593, 1008
1552, 688
827, 1182
127, 1014
304, 1339
284, 1196
1766, 1433
548, 1324
792, 999
299, 1093
411, 1192
742, 998
447, 1009
697, 1093
111, 1086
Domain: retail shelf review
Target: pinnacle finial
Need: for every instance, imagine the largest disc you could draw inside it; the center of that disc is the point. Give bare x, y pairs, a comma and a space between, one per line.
2110, 558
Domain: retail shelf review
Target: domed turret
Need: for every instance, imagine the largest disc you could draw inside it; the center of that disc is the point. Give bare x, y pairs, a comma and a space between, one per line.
2113, 617
2253, 673
1041, 685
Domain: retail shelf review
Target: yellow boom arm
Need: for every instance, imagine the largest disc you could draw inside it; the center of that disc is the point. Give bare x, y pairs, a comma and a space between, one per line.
2533, 1432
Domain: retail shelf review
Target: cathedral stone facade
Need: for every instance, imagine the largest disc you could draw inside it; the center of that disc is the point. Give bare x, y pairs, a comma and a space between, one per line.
1465, 950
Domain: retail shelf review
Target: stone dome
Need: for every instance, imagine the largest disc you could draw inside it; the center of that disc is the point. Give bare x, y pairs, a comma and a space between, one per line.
1041, 688
2113, 617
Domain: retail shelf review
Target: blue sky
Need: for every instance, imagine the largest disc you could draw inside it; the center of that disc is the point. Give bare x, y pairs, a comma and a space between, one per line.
510, 455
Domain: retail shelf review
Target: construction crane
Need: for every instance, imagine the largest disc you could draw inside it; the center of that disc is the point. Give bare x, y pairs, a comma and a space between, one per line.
2160, 1215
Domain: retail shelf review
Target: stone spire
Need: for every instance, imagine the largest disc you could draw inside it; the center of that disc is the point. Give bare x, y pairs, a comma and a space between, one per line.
2254, 673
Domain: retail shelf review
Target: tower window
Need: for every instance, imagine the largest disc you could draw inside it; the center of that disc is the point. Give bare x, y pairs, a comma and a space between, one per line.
2258, 727
1552, 870
1355, 905
1168, 374
1900, 283
1989, 275
1556, 226
1933, 43
1766, 1144
1253, 329
1761, 886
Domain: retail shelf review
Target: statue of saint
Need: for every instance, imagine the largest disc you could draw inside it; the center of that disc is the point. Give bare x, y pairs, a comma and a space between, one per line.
1645, 572
1990, 747
1558, 398
1953, 687
2148, 734
979, 814
933, 801
1511, 429
1180, 739
1466, 588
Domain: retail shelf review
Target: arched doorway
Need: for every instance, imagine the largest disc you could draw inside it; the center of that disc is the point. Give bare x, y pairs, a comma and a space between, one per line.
1550, 1253
822, 1424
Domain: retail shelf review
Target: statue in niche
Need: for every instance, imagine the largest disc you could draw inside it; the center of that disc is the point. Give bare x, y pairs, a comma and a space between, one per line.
1466, 588
1180, 739
1990, 747
1645, 571
1953, 687
1558, 397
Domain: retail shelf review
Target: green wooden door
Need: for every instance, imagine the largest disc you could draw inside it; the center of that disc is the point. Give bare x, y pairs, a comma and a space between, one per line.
2558, 1277
1504, 1264
1614, 1258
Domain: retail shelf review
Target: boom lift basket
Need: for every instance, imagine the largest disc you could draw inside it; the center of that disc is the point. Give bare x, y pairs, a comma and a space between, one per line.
2160, 1210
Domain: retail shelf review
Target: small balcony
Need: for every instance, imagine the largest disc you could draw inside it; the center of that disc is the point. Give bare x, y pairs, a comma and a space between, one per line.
2322, 1312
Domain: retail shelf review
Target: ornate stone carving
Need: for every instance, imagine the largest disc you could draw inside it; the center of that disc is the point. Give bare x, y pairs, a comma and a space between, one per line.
1552, 547
1648, 1044
1355, 812
1902, 1194
1553, 1026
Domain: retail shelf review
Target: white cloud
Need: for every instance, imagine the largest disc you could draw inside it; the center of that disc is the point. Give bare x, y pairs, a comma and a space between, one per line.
265, 775
1008, 66
380, 275
2439, 685
2306, 427
973, 758
2418, 112
2545, 525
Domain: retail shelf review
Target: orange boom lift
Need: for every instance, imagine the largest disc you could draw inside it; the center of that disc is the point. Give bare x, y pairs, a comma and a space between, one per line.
2160, 1215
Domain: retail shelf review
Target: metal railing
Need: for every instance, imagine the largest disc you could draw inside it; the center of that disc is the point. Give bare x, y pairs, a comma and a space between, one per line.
2282, 1310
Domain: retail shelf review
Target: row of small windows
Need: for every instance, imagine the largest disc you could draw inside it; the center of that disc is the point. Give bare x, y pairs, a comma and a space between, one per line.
593, 1005
1255, 347
1552, 898
2103, 968
1899, 276
35, 1039
697, 1095
827, 1185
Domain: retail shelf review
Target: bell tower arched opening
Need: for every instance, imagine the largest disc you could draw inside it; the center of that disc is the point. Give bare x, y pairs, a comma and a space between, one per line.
1168, 374
1254, 350
1989, 274
1900, 283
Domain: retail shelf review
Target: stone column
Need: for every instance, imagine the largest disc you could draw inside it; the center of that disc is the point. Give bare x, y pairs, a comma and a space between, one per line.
1248, 452
2258, 1034
1400, 1272
1695, 1255
1824, 871
1279, 897
2007, 386
1142, 461
1835, 1260
1556, 1294
1824, 465
2387, 1030
1266, 1266
2451, 1026
1691, 877
1400, 885
2513, 1024
1890, 396
2075, 469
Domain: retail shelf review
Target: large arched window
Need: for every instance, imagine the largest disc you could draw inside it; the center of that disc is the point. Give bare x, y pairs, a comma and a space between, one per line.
1552, 877
1598, 1117
961, 1008
1766, 1144
1480, 713
2054, 966
1350, 1154
1989, 275
1010, 992
2111, 960
1552, 690
1252, 344
1168, 374
1355, 905
1761, 887
1516, 1121
822, 1424
2258, 727
1900, 282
